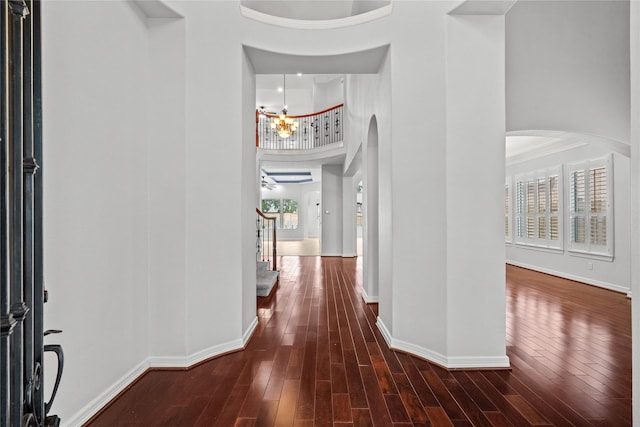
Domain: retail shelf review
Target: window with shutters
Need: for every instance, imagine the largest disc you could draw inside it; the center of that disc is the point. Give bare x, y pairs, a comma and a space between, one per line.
590, 207
538, 205
507, 210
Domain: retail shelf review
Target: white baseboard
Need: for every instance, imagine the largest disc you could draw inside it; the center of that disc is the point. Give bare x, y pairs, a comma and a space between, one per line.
107, 396
195, 358
600, 284
178, 362
471, 362
249, 332
369, 299
384, 331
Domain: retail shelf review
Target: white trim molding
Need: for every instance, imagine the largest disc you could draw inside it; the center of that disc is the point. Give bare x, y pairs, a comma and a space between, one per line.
187, 362
456, 362
174, 362
322, 24
249, 332
588, 281
369, 299
107, 396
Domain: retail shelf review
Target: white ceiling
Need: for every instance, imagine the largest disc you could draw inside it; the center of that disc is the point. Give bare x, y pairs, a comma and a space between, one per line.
299, 91
361, 62
313, 10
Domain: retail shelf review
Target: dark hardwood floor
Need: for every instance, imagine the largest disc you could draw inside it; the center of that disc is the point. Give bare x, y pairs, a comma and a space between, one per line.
317, 359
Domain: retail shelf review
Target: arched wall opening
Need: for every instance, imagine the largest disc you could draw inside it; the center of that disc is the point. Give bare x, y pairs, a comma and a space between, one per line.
370, 215
545, 156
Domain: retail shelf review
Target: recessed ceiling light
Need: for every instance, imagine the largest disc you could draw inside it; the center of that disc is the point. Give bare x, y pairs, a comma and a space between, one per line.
299, 74
279, 89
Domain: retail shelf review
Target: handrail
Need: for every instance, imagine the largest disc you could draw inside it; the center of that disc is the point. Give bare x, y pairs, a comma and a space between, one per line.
305, 115
314, 130
260, 243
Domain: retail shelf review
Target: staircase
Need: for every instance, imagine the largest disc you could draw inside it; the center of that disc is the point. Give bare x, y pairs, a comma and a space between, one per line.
266, 279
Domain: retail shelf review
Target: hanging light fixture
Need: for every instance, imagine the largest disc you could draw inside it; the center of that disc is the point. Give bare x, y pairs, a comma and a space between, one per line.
282, 124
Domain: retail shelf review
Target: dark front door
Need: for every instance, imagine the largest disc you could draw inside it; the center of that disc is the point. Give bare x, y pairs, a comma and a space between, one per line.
22, 295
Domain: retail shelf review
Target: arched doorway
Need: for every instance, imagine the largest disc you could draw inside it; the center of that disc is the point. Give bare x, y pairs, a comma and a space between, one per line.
370, 204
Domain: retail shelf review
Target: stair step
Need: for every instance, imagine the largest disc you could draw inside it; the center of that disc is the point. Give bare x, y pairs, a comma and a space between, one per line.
262, 266
265, 281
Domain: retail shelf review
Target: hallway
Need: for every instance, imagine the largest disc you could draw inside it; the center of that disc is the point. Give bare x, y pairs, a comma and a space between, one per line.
317, 358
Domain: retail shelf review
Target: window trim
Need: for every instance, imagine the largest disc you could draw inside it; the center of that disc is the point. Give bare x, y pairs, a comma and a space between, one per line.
508, 215
280, 214
588, 249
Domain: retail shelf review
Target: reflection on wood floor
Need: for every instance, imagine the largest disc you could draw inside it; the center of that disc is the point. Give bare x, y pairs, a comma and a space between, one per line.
317, 359
307, 247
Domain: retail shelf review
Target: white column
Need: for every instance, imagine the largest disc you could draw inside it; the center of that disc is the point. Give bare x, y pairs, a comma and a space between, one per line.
475, 66
635, 200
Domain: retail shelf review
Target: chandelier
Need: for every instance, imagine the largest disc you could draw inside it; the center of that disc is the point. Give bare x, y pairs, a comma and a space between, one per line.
282, 124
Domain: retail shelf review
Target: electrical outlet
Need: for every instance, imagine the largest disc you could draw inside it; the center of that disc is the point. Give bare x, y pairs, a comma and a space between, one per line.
589, 265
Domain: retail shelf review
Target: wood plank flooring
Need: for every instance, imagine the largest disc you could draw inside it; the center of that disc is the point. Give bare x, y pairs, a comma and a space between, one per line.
317, 359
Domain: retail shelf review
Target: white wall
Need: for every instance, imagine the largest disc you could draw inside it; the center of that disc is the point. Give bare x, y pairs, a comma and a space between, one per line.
133, 224
249, 194
312, 222
301, 193
328, 94
349, 199
614, 274
331, 214
217, 257
95, 194
417, 166
568, 67
166, 153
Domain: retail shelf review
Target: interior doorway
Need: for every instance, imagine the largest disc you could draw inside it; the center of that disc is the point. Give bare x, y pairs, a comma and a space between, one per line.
370, 215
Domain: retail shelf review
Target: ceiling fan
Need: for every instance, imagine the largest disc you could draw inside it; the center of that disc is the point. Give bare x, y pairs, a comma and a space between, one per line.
267, 185
263, 110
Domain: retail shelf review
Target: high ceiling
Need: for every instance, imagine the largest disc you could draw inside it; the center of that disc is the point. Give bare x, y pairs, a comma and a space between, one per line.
313, 10
299, 91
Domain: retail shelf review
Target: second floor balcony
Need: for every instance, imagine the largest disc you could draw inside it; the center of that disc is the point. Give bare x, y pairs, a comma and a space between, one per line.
317, 130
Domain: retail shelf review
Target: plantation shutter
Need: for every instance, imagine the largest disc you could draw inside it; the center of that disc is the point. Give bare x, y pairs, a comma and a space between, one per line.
507, 210
530, 208
541, 210
598, 196
590, 207
519, 209
554, 207
577, 214
538, 208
